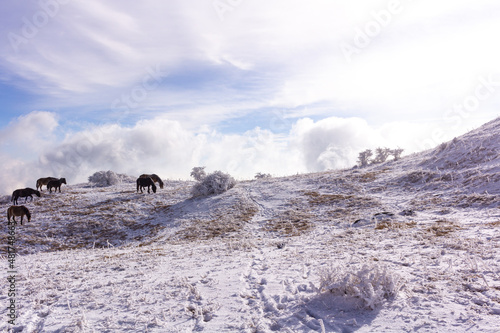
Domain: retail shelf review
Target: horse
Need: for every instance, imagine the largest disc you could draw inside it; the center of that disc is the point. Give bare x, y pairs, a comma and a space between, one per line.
154, 177
14, 211
56, 184
25, 192
43, 181
145, 182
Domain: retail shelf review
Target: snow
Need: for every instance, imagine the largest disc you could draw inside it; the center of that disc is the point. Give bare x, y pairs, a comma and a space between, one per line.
407, 245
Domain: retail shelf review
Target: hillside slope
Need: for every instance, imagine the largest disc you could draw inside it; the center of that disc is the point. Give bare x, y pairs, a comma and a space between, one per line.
408, 245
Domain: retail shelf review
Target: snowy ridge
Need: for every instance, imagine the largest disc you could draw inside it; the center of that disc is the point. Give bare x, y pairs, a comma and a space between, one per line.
408, 245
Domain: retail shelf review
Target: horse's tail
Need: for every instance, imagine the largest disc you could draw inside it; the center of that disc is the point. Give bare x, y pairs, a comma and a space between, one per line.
161, 182
13, 198
154, 187
138, 181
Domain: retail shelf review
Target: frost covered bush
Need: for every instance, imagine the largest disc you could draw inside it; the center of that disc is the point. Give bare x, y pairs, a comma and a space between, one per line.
260, 175
108, 178
381, 155
371, 284
214, 183
364, 157
198, 173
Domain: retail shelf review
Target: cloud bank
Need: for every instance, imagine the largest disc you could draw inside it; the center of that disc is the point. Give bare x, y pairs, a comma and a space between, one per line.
171, 150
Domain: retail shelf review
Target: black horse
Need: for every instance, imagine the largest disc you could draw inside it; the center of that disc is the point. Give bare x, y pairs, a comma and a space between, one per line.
56, 184
25, 192
154, 177
145, 182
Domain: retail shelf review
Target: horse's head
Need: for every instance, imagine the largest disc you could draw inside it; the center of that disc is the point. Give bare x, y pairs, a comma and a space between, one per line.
63, 181
37, 193
27, 213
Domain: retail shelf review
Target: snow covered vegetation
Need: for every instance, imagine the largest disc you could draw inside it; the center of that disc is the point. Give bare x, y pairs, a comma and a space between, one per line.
406, 245
108, 178
215, 183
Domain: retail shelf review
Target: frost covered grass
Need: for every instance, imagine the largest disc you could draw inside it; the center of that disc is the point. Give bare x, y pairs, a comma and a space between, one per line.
371, 284
407, 245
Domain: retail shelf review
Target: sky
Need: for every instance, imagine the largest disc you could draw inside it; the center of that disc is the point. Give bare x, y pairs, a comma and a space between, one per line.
236, 85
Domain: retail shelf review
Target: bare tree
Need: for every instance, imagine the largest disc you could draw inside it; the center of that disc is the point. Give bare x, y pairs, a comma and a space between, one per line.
397, 153
381, 155
364, 157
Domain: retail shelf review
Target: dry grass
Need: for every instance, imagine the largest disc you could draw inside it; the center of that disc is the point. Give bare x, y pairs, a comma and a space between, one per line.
222, 224
477, 200
493, 224
391, 225
290, 223
342, 200
443, 228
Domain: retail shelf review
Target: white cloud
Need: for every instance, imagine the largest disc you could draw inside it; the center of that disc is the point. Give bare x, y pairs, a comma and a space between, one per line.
171, 150
29, 133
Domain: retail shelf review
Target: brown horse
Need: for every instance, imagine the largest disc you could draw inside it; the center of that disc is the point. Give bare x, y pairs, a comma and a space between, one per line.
56, 184
43, 181
154, 177
14, 211
25, 192
143, 182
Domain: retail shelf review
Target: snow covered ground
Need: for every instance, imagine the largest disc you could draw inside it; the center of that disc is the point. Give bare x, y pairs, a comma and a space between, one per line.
408, 245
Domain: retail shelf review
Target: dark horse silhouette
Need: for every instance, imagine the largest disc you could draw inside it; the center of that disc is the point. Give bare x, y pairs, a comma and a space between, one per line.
43, 181
56, 184
145, 182
154, 177
25, 192
14, 211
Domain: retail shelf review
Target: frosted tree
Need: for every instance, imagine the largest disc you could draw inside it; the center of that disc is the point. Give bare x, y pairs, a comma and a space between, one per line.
397, 153
198, 173
260, 175
364, 157
381, 155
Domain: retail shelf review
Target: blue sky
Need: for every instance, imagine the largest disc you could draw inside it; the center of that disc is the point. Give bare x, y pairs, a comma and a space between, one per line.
239, 86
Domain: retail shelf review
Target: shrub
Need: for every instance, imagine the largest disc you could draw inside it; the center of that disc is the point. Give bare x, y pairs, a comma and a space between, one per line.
198, 173
397, 153
381, 155
364, 157
371, 284
214, 183
108, 178
260, 175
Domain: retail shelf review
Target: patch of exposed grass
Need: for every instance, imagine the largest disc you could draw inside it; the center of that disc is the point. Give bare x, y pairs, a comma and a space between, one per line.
493, 224
391, 225
222, 224
345, 200
443, 228
290, 223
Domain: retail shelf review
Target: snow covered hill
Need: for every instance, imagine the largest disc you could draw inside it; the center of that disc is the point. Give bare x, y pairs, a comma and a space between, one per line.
408, 245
